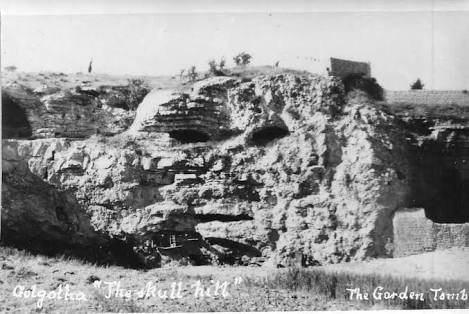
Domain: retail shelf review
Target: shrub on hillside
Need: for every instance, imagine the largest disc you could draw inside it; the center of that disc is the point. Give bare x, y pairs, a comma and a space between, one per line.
192, 74
138, 89
215, 68
221, 64
367, 84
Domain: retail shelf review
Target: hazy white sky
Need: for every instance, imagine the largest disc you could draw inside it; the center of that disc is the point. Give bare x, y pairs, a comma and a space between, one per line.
400, 44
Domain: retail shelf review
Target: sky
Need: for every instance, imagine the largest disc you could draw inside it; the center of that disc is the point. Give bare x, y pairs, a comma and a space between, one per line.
403, 42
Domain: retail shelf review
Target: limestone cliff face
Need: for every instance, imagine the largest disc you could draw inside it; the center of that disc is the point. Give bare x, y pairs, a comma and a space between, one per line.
236, 170
64, 112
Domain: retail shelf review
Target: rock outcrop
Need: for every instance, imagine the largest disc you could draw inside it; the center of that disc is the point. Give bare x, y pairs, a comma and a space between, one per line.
50, 111
234, 171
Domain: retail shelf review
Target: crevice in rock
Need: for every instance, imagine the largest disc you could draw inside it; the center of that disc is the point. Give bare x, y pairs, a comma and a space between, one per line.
14, 121
189, 136
223, 218
268, 134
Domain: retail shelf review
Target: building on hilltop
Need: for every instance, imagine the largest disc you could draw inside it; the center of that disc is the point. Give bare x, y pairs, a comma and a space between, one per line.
342, 68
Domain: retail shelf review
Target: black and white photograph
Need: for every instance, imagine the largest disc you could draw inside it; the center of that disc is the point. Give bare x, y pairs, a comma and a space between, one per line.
234, 156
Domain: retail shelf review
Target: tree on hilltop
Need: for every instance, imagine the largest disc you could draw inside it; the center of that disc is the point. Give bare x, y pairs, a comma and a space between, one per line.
417, 85
212, 66
222, 63
192, 73
242, 58
215, 68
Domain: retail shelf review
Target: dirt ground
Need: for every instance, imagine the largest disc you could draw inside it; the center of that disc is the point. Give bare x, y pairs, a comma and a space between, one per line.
446, 264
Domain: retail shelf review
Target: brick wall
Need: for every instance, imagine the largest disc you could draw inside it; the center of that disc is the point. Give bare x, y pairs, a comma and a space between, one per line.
414, 233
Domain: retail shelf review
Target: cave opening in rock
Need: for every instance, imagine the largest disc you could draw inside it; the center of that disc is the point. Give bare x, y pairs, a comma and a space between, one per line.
266, 135
14, 121
448, 202
223, 218
189, 136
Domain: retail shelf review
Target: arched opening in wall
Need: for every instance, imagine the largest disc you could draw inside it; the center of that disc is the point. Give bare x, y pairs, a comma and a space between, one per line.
268, 134
189, 136
449, 203
14, 121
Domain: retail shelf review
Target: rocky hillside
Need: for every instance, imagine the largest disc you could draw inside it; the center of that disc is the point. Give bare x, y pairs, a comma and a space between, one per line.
273, 169
49, 105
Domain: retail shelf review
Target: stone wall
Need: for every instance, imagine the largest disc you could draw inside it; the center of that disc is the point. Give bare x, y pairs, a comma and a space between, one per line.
414, 233
428, 97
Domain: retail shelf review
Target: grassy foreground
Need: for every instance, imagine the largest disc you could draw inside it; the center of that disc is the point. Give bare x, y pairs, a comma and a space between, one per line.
26, 279
386, 291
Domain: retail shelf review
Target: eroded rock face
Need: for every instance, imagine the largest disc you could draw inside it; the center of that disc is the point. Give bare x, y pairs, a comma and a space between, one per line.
71, 113
257, 170
44, 218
